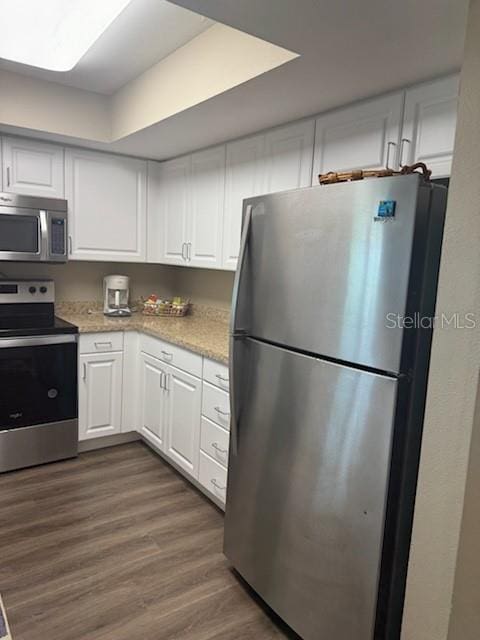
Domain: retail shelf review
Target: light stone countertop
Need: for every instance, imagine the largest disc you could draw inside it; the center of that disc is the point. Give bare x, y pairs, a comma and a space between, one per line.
205, 334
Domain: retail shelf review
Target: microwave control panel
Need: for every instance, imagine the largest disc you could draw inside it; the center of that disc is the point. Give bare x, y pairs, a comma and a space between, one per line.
57, 236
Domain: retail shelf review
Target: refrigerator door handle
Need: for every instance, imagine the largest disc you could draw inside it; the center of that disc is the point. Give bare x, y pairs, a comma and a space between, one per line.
233, 413
240, 267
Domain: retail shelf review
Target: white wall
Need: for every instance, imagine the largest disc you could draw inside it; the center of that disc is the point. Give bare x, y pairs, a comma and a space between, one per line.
453, 383
50, 107
213, 62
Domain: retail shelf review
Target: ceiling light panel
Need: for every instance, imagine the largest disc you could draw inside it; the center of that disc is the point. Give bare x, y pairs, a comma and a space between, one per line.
54, 34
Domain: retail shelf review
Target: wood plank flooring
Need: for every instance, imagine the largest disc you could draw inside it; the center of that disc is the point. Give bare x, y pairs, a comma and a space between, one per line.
115, 545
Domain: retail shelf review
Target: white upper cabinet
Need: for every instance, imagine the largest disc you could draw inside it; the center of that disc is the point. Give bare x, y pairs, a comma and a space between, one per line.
288, 157
206, 208
33, 168
185, 209
168, 184
429, 125
107, 198
244, 178
366, 135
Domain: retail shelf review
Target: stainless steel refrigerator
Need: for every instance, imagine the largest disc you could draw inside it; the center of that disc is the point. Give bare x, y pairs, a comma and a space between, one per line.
330, 343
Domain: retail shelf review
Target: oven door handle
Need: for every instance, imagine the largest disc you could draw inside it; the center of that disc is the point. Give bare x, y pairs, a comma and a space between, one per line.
37, 341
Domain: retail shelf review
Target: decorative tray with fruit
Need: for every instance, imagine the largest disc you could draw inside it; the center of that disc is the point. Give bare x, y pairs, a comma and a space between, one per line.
174, 307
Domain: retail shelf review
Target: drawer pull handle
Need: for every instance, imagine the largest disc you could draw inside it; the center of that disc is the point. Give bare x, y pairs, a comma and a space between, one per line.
216, 485
221, 411
167, 355
222, 378
218, 449
99, 345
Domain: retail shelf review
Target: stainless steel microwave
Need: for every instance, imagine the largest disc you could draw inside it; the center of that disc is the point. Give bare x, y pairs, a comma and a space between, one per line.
33, 229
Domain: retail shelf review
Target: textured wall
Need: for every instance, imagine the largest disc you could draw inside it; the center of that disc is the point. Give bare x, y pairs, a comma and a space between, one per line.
205, 286
453, 380
84, 280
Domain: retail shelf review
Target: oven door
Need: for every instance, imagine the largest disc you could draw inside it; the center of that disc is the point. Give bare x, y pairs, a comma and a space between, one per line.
23, 234
38, 380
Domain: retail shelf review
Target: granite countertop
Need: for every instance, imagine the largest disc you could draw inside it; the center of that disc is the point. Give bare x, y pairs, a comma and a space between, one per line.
203, 333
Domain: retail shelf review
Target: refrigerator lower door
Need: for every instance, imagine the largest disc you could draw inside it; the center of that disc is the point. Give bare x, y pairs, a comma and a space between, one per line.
307, 488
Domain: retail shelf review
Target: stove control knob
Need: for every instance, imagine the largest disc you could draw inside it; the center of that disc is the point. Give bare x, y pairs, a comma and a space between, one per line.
43, 289
33, 290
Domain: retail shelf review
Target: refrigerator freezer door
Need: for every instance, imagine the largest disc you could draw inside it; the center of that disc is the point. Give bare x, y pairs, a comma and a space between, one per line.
307, 488
326, 269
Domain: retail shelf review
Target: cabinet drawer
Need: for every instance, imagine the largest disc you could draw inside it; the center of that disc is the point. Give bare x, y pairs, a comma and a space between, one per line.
101, 342
216, 405
171, 354
215, 373
213, 477
215, 441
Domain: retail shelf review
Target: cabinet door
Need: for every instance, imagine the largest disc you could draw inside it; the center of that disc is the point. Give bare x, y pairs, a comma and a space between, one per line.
429, 125
106, 206
244, 178
153, 397
363, 136
100, 394
289, 157
207, 190
183, 421
168, 210
33, 168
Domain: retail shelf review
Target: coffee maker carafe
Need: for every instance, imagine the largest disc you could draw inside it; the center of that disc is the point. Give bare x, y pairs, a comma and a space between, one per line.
115, 296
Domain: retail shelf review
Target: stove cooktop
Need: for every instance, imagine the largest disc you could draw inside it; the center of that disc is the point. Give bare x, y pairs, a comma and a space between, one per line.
58, 326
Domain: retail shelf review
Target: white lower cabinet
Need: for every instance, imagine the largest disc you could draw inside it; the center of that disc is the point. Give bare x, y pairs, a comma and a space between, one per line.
215, 441
100, 394
213, 477
184, 395
152, 400
175, 399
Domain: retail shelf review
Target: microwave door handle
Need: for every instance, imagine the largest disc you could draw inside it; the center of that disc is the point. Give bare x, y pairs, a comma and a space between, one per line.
43, 237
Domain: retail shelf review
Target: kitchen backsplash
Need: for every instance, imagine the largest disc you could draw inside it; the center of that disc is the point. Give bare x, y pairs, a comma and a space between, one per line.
82, 281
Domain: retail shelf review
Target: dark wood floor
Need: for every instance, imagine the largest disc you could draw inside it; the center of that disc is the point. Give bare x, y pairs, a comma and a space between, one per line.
116, 546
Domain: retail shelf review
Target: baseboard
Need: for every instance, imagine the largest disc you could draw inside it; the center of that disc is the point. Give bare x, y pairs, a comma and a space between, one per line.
107, 441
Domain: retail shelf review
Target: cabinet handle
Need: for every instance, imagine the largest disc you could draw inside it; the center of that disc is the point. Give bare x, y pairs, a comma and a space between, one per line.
402, 146
161, 380
189, 251
99, 345
167, 356
8, 176
84, 376
70, 250
217, 448
222, 378
216, 485
389, 145
221, 411
184, 252
167, 382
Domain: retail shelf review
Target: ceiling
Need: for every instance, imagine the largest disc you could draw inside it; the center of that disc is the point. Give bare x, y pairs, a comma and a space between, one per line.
348, 51
145, 32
